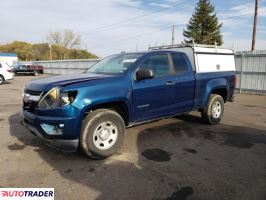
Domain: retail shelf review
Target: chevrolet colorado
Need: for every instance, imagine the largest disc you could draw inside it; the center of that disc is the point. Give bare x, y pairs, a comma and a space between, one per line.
91, 110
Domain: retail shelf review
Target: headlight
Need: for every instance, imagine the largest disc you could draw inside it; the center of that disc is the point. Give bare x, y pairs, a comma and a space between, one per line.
50, 99
55, 98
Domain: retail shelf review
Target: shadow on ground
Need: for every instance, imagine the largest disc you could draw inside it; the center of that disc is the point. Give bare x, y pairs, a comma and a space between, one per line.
174, 161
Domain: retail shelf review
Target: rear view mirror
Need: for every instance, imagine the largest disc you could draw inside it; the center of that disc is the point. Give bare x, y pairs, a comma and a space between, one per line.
144, 74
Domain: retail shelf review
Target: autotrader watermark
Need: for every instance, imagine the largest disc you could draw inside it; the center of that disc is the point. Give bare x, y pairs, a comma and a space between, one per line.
27, 193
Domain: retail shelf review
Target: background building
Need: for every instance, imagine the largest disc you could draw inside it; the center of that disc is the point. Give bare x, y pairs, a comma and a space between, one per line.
9, 58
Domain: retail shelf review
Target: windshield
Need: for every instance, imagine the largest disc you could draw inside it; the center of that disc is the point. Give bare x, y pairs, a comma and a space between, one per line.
114, 64
16, 65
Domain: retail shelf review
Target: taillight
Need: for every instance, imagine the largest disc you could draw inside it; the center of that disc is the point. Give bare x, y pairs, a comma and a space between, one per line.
9, 70
234, 81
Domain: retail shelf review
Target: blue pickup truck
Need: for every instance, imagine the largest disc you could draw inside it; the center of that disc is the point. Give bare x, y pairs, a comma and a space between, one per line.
92, 110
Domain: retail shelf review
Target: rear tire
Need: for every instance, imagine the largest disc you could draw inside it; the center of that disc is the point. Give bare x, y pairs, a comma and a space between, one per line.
2, 79
213, 112
102, 133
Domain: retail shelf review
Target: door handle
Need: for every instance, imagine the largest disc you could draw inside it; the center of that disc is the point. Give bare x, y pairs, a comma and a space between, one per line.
170, 83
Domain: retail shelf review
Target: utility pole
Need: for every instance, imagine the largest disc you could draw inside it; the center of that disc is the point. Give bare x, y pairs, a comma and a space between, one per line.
255, 26
51, 54
173, 34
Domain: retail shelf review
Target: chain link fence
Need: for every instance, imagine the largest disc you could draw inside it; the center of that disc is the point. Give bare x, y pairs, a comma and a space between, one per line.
251, 72
66, 66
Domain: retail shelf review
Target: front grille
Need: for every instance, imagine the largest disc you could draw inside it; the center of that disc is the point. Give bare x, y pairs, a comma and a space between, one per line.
30, 106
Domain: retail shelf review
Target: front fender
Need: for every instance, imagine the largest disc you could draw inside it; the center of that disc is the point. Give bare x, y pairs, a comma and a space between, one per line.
107, 101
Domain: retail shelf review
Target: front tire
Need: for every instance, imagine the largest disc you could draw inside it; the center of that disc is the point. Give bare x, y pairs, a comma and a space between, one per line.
102, 133
213, 112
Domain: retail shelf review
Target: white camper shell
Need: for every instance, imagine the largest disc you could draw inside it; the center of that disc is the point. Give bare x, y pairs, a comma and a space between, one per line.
205, 58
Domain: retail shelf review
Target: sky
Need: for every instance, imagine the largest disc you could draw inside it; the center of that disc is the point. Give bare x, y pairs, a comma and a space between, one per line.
111, 26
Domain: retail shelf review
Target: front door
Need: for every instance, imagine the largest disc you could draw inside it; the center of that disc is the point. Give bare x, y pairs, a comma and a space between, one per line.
156, 97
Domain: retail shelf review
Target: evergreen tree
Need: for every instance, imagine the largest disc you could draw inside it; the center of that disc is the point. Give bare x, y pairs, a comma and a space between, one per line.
203, 26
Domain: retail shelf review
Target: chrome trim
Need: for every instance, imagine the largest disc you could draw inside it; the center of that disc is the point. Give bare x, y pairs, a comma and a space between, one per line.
143, 106
28, 97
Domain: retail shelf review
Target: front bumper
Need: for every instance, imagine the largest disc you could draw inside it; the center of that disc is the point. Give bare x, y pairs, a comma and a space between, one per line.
64, 142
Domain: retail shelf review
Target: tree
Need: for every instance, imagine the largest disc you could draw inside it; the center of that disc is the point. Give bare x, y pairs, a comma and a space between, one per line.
80, 54
41, 51
203, 26
64, 40
22, 49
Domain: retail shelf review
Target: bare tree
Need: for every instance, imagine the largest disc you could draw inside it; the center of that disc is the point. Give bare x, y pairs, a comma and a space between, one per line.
64, 40
70, 40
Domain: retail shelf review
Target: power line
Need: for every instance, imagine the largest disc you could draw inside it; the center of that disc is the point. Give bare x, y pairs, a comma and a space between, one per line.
128, 38
145, 15
113, 25
229, 17
138, 35
236, 16
134, 18
108, 38
148, 32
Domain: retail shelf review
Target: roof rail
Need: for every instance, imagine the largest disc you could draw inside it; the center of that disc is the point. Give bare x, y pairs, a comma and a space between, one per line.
167, 46
193, 45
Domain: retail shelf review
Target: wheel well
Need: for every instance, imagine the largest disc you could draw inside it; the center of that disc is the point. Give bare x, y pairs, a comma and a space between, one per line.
120, 107
222, 92
2, 77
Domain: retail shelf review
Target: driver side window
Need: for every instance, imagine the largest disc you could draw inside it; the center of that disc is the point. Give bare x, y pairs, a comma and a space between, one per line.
22, 67
159, 64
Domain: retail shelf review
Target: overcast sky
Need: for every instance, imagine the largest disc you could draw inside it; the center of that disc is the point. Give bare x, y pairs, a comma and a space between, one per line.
111, 26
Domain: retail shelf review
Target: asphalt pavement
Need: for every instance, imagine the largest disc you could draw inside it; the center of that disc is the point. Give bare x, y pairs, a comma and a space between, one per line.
175, 159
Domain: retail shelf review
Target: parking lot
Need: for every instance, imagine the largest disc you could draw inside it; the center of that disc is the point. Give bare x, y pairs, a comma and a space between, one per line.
174, 159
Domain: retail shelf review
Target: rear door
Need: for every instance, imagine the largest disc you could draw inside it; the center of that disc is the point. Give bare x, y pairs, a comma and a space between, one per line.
153, 98
185, 82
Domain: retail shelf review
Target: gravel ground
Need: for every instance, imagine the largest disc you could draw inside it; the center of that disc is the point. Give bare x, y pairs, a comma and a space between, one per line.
175, 159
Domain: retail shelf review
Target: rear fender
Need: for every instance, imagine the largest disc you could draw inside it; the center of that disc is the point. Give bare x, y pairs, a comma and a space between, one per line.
214, 84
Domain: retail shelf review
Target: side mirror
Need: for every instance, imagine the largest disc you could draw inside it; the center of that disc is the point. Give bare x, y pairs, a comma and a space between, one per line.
144, 74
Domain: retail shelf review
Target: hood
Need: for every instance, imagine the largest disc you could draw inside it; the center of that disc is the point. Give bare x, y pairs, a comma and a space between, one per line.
43, 84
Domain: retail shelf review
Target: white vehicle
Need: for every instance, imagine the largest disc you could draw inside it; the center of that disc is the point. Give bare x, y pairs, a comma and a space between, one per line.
5, 73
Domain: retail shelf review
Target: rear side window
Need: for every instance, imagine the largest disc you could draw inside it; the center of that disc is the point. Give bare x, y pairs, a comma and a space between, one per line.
0, 65
158, 64
180, 62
